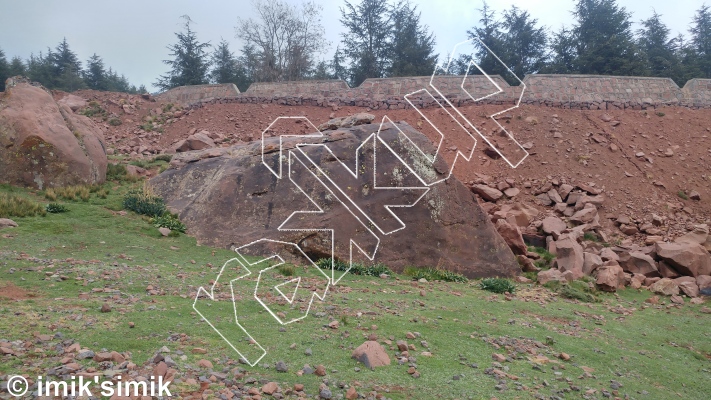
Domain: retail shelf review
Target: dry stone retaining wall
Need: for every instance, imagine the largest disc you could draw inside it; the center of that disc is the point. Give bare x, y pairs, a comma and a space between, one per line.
197, 93
564, 91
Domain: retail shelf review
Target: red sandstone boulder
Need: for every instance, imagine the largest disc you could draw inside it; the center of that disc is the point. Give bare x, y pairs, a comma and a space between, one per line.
610, 277
235, 199
686, 258
570, 256
43, 143
512, 236
371, 354
665, 286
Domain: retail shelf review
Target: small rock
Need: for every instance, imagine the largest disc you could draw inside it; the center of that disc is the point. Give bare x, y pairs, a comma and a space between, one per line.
106, 307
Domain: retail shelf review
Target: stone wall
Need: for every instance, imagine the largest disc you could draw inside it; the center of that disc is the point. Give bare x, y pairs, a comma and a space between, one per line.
564, 91
187, 95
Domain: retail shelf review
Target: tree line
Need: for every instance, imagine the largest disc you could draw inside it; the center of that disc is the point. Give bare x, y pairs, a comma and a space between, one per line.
286, 42
386, 39
60, 69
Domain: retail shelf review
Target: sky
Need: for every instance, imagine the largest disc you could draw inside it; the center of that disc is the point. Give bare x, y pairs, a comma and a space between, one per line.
132, 35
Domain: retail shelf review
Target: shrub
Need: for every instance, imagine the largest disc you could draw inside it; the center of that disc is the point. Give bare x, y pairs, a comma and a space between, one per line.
143, 202
17, 206
286, 269
56, 208
434, 274
115, 121
94, 109
682, 195
170, 221
497, 285
119, 173
591, 237
50, 194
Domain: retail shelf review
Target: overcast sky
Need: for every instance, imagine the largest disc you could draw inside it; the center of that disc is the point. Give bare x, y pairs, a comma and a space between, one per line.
131, 35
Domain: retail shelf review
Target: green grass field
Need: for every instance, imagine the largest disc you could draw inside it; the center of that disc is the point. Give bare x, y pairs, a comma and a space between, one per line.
69, 264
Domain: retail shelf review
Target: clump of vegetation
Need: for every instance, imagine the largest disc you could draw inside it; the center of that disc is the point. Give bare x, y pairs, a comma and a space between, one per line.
497, 285
56, 208
94, 110
580, 290
660, 114
115, 121
682, 195
142, 201
286, 269
72, 193
119, 173
170, 221
434, 274
591, 237
546, 260
18, 206
163, 157
356, 268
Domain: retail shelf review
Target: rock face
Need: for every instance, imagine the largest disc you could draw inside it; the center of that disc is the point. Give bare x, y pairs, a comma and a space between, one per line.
43, 143
610, 277
371, 354
570, 256
229, 198
689, 259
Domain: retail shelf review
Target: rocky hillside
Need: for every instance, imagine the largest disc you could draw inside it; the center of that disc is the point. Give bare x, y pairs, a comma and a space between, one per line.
631, 181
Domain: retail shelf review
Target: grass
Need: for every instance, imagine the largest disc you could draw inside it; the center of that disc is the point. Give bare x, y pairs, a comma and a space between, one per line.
14, 205
546, 260
581, 290
654, 349
355, 269
682, 195
497, 285
433, 274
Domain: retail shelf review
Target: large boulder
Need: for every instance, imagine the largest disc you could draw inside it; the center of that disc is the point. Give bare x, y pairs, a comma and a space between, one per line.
570, 256
43, 143
512, 236
688, 258
665, 286
610, 277
371, 354
230, 198
636, 262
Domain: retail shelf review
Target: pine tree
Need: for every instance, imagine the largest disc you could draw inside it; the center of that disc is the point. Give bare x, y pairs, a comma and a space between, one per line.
701, 40
322, 71
4, 70
524, 44
604, 39
17, 67
224, 65
190, 62
336, 65
40, 69
412, 44
658, 49
488, 35
95, 74
66, 68
563, 58
366, 42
